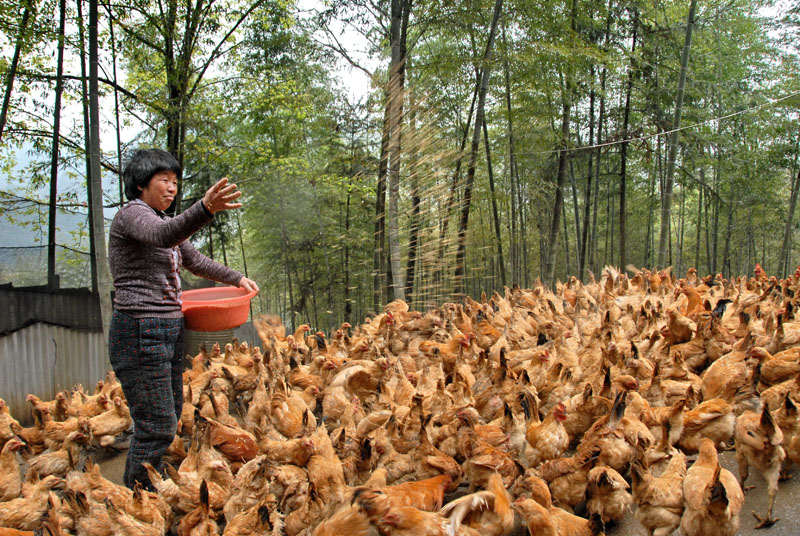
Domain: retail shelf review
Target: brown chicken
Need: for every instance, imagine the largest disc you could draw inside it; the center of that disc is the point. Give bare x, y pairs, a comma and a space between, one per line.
9, 426
567, 477
349, 519
713, 419
106, 426
659, 500
325, 470
237, 444
548, 520
758, 443
607, 494
10, 477
198, 522
483, 460
257, 520
786, 417
713, 496
58, 462
122, 523
488, 512
25, 513
426, 494
547, 439
678, 329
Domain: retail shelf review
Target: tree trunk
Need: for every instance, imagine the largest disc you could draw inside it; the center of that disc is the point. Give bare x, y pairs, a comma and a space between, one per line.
623, 178
783, 262
682, 224
567, 266
348, 305
461, 254
51, 246
550, 266
699, 221
497, 236
512, 170
666, 207
86, 142
600, 124
587, 201
577, 215
12, 69
98, 222
116, 105
399, 26
414, 225
379, 259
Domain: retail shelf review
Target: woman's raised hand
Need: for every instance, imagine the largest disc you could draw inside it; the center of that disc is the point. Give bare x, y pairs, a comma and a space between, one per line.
221, 196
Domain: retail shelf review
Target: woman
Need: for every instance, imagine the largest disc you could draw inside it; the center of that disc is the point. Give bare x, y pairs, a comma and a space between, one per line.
146, 250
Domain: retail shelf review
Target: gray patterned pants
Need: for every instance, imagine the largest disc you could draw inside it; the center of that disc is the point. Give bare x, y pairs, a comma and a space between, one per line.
147, 357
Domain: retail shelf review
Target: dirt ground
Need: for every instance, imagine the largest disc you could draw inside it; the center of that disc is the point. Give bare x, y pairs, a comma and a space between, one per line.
787, 503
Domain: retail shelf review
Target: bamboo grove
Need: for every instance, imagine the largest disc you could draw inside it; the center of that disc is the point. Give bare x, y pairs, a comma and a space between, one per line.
499, 142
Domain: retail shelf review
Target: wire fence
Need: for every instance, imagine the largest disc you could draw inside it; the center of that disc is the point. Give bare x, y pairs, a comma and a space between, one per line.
25, 266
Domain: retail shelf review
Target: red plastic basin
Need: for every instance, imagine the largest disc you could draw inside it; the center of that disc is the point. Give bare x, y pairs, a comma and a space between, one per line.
216, 308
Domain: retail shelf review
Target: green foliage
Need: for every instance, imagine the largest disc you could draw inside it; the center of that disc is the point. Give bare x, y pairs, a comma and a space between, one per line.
264, 108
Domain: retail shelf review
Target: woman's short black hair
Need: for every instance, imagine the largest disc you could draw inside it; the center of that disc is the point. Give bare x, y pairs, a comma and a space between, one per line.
141, 167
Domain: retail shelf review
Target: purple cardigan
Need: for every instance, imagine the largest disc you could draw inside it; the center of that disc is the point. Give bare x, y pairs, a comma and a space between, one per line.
146, 249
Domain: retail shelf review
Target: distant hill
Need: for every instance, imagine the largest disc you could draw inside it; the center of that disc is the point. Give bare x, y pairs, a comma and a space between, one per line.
31, 227
23, 259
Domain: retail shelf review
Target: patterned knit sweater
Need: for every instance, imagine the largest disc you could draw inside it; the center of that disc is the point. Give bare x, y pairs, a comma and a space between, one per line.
146, 249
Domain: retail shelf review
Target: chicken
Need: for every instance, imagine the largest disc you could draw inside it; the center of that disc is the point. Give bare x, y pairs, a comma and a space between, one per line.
758, 443
778, 368
618, 437
57, 462
659, 500
547, 439
567, 477
713, 419
259, 519
107, 425
787, 420
535, 517
483, 460
9, 426
410, 521
182, 489
295, 451
10, 477
678, 329
198, 522
348, 519
234, 442
488, 512
607, 493
56, 432
726, 376
547, 520
88, 517
33, 436
122, 523
25, 513
324, 468
712, 494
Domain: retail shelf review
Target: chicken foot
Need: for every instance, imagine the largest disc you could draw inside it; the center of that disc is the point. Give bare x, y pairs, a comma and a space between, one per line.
772, 482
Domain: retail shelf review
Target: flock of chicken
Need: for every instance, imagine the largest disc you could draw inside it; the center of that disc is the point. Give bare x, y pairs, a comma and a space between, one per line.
558, 411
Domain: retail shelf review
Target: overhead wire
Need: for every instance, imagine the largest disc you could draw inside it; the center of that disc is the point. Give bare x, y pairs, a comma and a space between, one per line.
665, 132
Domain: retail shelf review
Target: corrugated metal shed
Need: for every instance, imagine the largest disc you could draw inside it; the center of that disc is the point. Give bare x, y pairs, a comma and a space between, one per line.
44, 359
72, 308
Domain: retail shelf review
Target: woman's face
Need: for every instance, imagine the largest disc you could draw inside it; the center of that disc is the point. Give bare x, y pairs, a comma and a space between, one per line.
161, 190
